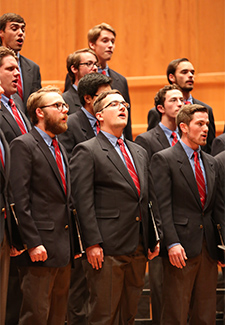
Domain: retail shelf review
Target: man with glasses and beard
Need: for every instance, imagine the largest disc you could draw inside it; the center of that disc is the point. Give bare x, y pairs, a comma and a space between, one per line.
41, 188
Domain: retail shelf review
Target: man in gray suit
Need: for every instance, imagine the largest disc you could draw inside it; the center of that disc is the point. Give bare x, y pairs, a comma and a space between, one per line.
12, 35
78, 64
190, 201
41, 189
82, 127
168, 102
112, 208
181, 72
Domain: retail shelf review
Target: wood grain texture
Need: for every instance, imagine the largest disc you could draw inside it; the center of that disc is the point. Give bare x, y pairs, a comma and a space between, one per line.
149, 35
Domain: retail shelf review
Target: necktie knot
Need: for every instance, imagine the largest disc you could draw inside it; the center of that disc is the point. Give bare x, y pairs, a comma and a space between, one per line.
186, 102
54, 142
175, 140
120, 142
104, 72
11, 102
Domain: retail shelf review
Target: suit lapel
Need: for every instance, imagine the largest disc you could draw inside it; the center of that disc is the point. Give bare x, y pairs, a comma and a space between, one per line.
116, 160
48, 155
187, 171
85, 125
27, 75
161, 137
210, 178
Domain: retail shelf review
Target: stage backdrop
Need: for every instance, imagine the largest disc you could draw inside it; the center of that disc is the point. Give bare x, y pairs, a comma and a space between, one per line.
150, 33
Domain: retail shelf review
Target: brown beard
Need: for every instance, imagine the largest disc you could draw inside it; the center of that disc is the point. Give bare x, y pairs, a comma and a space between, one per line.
53, 127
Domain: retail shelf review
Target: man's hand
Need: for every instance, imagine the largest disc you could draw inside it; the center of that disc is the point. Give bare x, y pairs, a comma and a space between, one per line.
14, 252
38, 253
95, 256
177, 256
220, 264
155, 253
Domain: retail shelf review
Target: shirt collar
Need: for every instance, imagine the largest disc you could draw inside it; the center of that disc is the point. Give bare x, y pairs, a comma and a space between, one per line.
189, 151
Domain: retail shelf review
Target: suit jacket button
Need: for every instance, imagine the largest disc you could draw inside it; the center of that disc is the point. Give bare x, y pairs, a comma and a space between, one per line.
201, 226
137, 218
66, 226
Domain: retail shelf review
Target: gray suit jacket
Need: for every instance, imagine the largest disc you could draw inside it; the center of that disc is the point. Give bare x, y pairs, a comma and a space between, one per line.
31, 77
107, 200
183, 220
9, 125
79, 130
43, 208
72, 99
218, 144
153, 141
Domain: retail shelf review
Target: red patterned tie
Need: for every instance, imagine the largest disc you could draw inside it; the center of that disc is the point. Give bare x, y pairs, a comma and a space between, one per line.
17, 117
59, 162
174, 136
19, 87
1, 158
130, 166
97, 127
199, 179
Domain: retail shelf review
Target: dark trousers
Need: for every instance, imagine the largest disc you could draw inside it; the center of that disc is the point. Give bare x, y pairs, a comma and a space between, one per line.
45, 294
77, 312
190, 291
116, 289
4, 275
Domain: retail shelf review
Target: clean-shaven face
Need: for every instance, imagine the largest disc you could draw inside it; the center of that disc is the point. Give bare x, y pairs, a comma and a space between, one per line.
13, 36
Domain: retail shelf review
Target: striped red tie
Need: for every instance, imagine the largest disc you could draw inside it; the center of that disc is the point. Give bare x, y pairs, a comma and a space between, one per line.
17, 117
59, 162
1, 158
19, 87
130, 166
199, 179
174, 136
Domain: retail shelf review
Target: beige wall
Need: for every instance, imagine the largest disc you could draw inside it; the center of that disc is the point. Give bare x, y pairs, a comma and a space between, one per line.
150, 33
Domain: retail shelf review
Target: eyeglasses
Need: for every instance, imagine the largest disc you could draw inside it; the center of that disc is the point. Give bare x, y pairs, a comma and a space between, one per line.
116, 104
59, 106
89, 64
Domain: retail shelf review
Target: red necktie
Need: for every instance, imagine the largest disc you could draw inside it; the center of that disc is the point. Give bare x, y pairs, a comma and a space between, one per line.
1, 158
97, 127
199, 179
186, 102
174, 136
103, 72
59, 162
19, 87
130, 166
17, 117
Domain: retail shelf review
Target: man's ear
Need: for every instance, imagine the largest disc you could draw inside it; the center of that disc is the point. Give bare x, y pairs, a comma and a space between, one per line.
161, 109
99, 117
39, 112
184, 127
73, 69
92, 46
87, 99
172, 78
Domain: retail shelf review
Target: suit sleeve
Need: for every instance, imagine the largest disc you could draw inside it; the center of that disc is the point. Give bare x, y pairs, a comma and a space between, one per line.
82, 186
21, 170
163, 188
217, 147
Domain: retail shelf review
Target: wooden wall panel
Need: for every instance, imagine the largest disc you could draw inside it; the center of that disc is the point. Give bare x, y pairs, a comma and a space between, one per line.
149, 35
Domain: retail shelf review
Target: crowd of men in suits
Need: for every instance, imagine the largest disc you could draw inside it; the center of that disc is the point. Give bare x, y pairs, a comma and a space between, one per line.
75, 213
